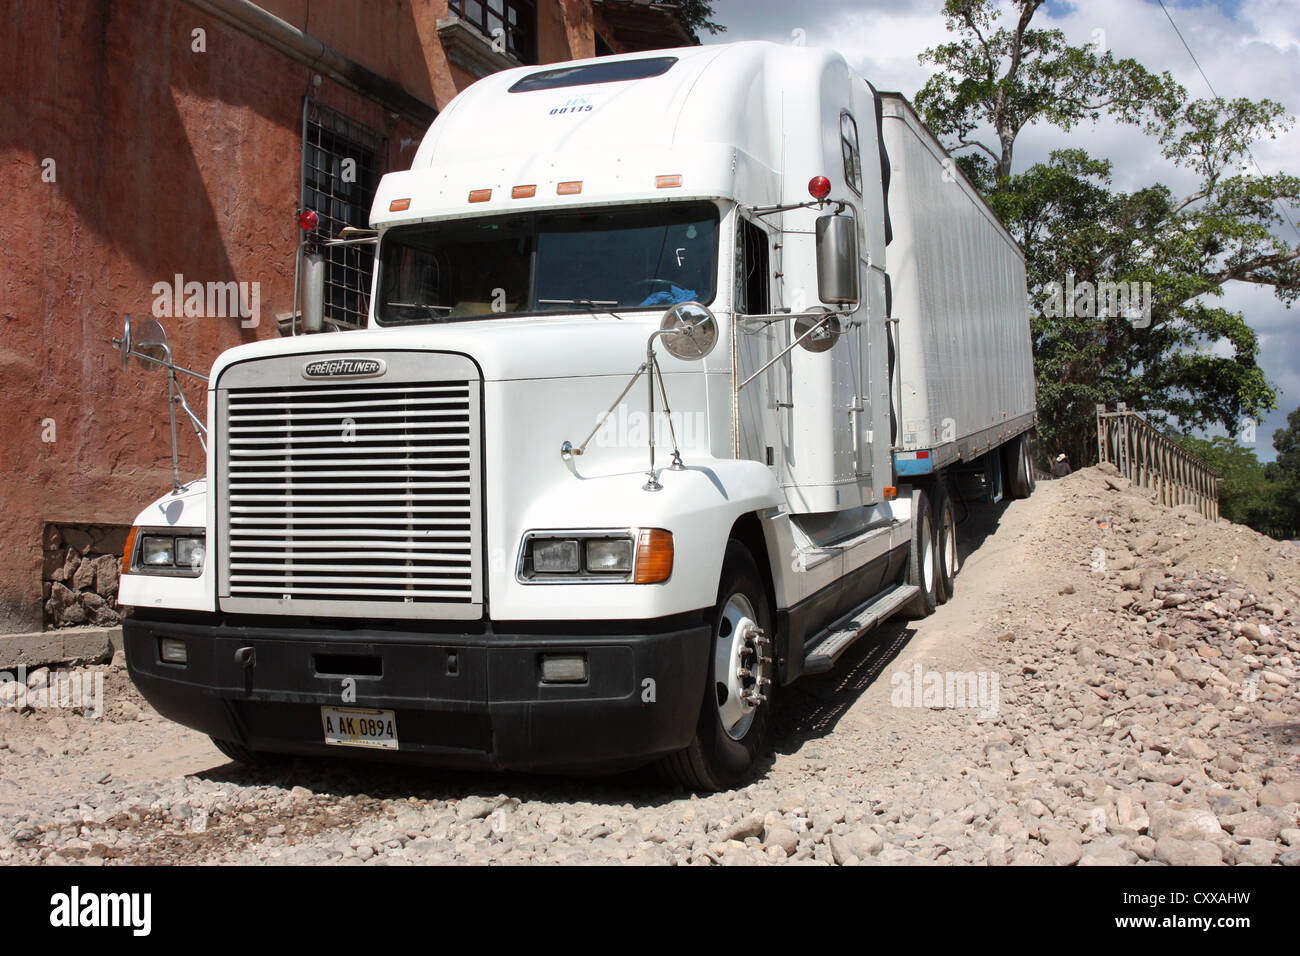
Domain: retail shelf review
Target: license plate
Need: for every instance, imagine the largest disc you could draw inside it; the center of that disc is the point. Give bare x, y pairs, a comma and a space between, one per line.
359, 727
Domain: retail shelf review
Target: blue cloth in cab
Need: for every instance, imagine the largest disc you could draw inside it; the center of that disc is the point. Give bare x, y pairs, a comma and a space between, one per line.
670, 297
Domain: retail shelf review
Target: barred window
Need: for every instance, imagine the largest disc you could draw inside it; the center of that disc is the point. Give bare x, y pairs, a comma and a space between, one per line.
342, 161
513, 22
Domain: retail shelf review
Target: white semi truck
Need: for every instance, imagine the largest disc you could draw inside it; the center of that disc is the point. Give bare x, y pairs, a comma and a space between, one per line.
672, 365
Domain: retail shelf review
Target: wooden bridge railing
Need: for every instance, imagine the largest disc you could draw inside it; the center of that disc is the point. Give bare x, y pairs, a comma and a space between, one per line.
1148, 458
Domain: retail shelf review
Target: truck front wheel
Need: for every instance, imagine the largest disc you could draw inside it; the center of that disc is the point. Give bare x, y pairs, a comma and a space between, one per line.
734, 714
241, 754
923, 561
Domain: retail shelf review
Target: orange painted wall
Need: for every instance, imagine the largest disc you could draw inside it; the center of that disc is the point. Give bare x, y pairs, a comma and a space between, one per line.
165, 161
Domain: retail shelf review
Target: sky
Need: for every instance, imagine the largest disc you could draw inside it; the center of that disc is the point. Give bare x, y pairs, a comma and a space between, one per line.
1246, 47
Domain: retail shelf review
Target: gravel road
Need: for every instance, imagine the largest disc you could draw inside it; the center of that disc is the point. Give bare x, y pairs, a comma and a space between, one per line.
1115, 682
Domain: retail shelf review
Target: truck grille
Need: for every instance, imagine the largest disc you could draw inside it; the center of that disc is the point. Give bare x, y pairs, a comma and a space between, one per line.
351, 498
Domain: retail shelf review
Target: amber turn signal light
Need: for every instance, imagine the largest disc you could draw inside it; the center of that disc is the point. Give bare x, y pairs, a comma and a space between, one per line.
654, 556
129, 549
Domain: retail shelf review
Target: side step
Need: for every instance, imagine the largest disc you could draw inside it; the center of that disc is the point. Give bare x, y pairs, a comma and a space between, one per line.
841, 635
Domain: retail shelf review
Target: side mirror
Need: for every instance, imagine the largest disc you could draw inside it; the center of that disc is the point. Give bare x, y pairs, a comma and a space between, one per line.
124, 343
689, 331
822, 328
149, 339
313, 297
837, 260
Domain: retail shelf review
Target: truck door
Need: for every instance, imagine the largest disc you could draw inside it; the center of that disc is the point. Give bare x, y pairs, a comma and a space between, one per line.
762, 406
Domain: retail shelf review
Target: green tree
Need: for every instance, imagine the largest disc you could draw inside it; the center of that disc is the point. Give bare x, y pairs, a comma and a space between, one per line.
697, 15
1247, 495
1285, 473
1181, 358
1286, 442
1007, 77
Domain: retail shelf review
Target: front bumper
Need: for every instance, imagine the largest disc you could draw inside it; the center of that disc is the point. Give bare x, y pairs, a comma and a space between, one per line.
471, 700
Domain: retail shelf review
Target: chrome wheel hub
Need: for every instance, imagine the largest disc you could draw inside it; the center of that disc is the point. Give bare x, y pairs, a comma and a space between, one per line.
743, 666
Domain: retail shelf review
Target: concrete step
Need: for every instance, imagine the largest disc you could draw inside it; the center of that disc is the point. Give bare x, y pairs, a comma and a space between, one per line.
66, 645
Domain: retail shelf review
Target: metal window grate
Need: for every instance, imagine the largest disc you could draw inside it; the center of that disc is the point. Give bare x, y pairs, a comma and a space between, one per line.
342, 161
513, 21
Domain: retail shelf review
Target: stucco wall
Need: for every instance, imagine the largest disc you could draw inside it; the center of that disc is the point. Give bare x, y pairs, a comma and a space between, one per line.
165, 161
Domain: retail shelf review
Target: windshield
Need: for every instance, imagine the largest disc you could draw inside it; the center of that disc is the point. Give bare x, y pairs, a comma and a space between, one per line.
631, 258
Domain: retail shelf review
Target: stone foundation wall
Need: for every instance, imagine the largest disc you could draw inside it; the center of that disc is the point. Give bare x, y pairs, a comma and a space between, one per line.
79, 579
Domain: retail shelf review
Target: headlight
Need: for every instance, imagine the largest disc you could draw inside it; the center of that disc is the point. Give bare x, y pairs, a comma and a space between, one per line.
610, 557
157, 552
152, 551
189, 553
554, 556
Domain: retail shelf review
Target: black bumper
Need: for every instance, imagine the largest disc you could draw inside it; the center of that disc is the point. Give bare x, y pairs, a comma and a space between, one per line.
460, 700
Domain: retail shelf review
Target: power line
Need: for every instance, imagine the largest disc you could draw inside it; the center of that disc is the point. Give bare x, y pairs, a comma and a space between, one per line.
1276, 203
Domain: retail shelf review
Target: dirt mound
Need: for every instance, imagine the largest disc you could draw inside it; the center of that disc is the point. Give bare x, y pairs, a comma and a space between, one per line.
1137, 533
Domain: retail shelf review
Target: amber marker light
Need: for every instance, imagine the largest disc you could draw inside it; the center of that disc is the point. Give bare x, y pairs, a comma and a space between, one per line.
129, 549
654, 556
480, 195
523, 192
569, 189
668, 182
399, 205
890, 492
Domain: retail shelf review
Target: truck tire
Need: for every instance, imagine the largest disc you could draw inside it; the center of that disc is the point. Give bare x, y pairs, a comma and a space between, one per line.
1018, 467
735, 710
922, 561
948, 561
239, 753
1031, 481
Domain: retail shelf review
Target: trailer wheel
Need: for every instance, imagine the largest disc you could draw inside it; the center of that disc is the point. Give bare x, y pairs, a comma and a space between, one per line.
737, 695
1030, 481
1018, 467
923, 561
946, 543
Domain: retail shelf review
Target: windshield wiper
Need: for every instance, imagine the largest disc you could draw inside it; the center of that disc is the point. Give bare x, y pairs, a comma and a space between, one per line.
417, 305
590, 303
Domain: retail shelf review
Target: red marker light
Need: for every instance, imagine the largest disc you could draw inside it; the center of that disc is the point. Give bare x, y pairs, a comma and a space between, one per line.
819, 187
308, 220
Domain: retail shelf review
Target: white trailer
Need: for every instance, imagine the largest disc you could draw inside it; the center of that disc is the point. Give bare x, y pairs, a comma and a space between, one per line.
621, 450
959, 295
